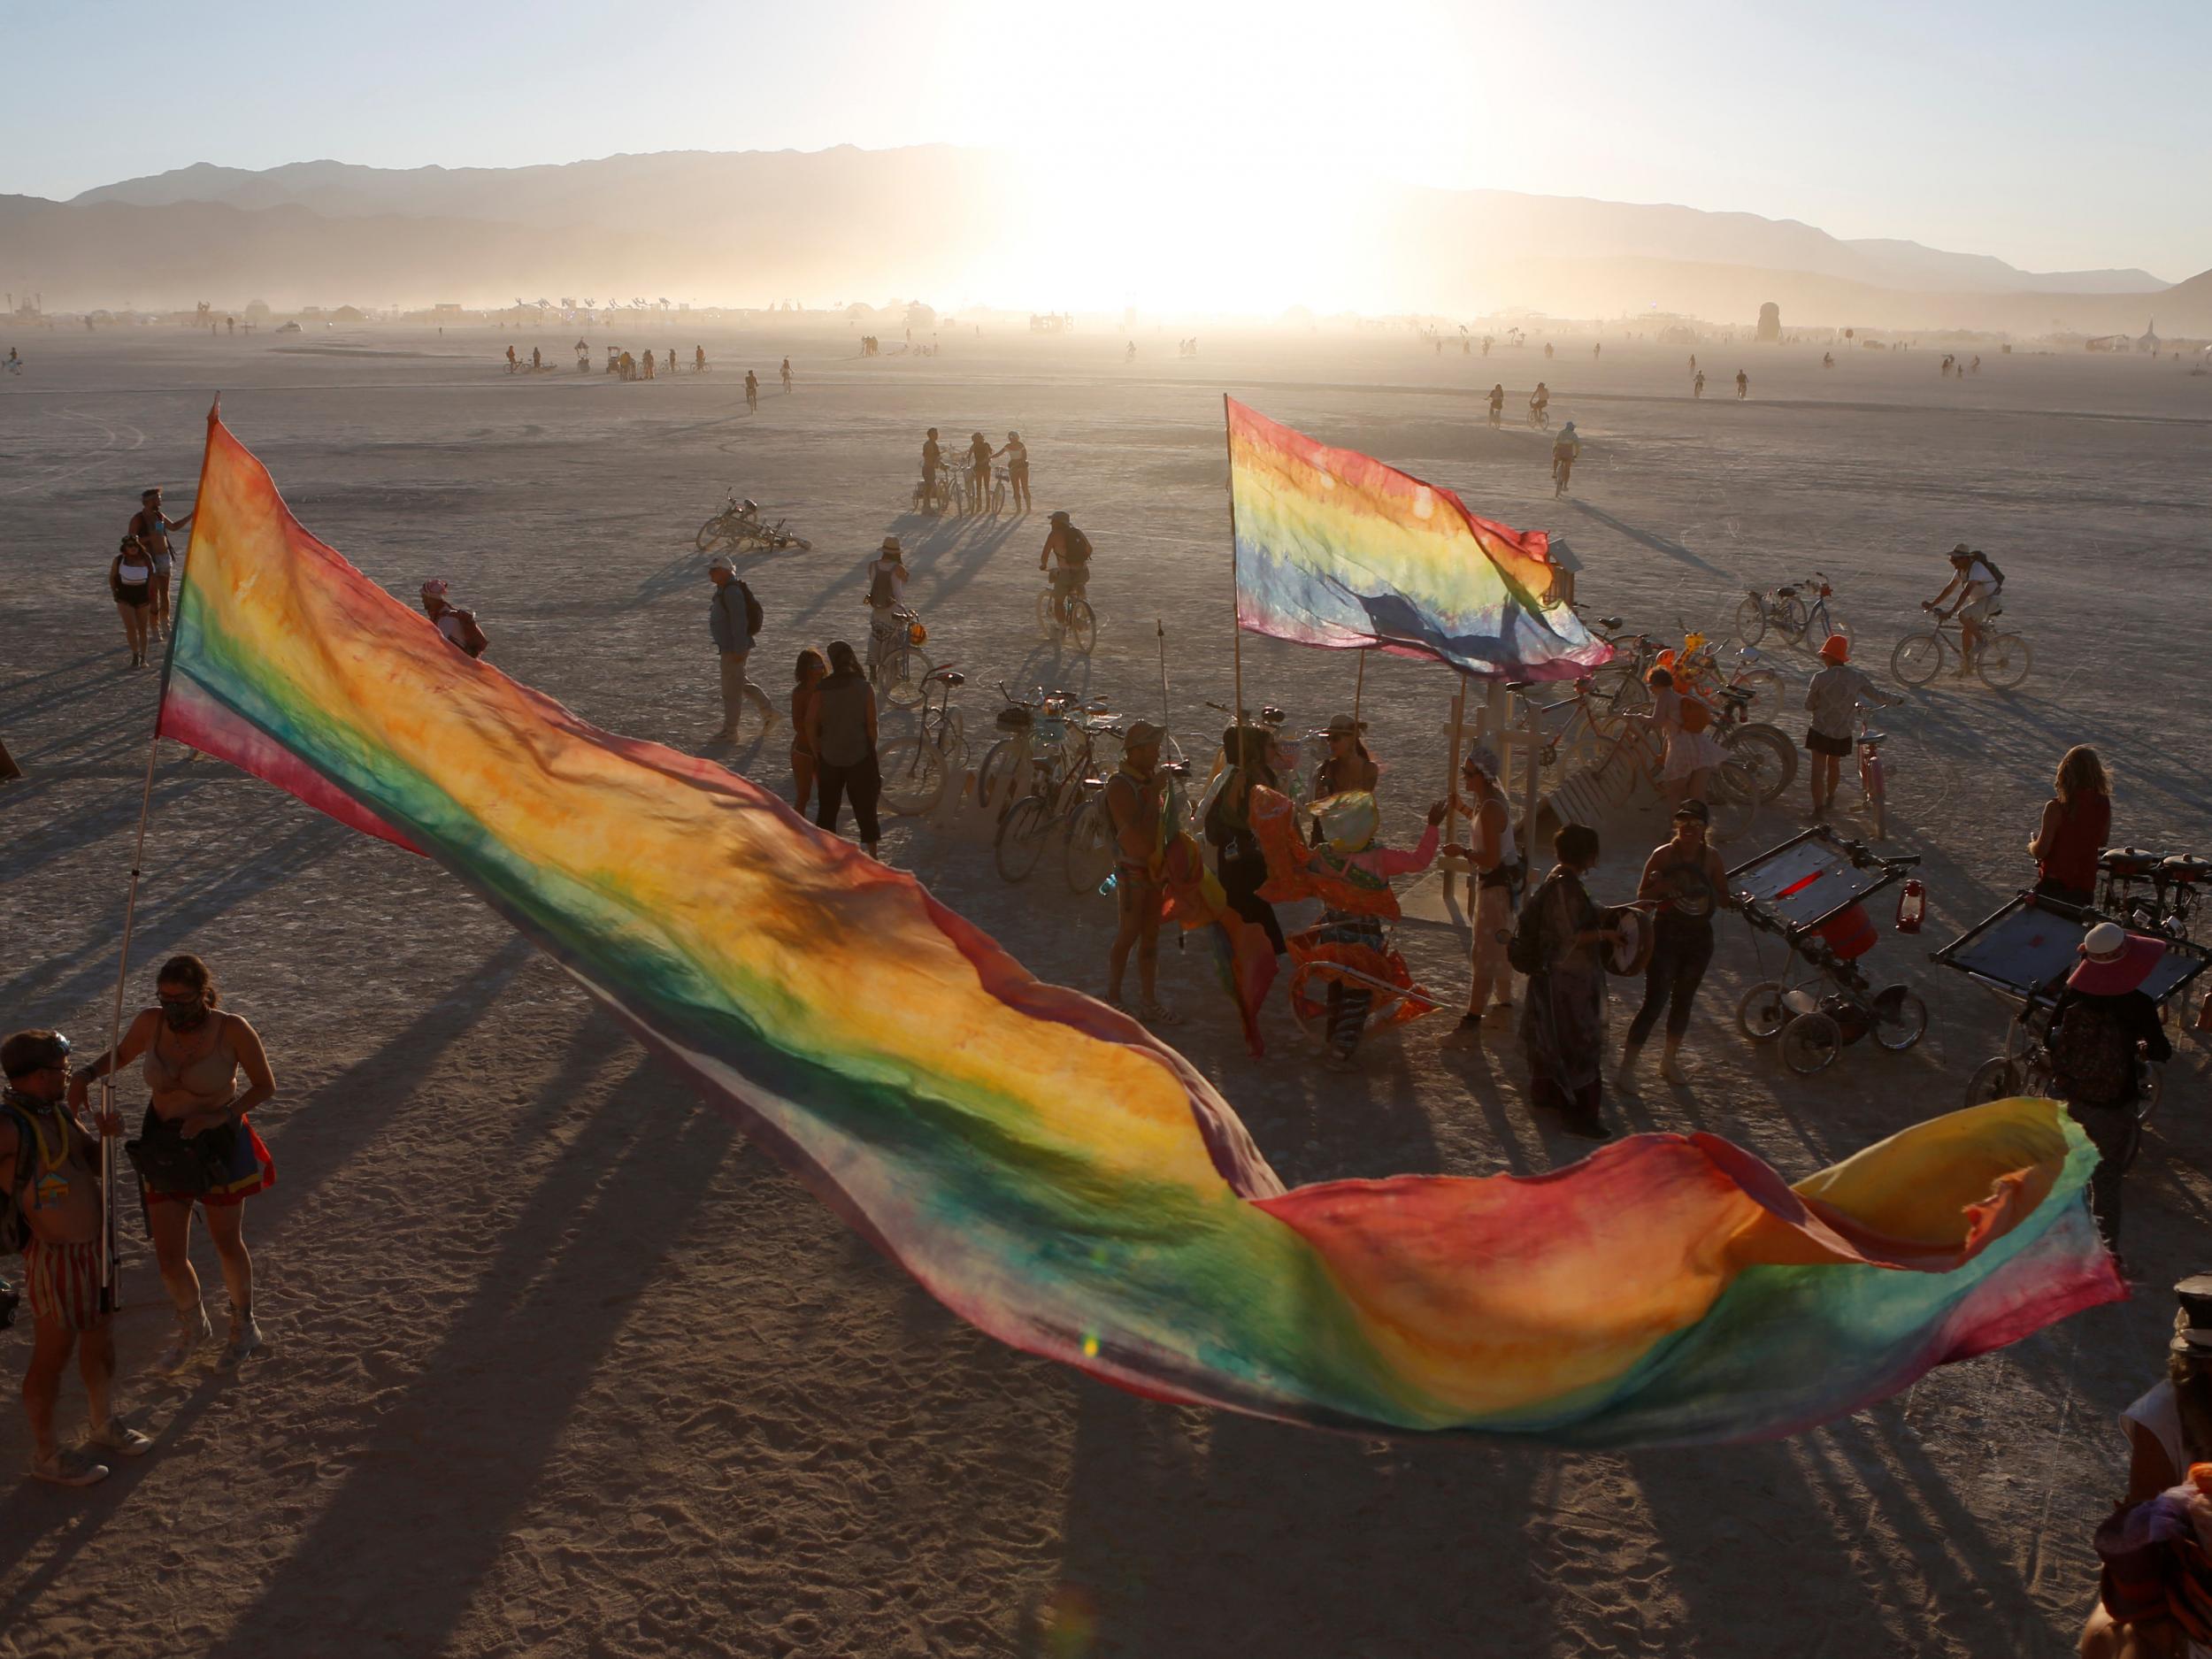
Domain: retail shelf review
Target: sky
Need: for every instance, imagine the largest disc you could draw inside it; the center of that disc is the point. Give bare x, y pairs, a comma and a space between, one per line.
2054, 136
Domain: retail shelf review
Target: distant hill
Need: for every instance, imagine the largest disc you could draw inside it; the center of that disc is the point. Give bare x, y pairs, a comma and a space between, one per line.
939, 221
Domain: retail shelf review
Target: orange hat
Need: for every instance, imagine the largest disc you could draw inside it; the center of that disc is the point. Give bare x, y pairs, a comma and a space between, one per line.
1836, 649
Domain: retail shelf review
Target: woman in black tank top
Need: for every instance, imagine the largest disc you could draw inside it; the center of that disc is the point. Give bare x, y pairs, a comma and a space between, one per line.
1686, 877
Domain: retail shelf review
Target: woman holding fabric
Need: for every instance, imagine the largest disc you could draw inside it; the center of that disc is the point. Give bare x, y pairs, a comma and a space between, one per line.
841, 732
1563, 1022
196, 1138
1685, 877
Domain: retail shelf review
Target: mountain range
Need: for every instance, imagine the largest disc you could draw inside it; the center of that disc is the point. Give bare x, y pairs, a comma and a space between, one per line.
747, 227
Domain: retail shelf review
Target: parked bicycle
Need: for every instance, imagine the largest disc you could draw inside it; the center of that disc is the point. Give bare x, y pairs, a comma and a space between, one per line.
1796, 611
917, 767
1036, 735
897, 665
1053, 805
1873, 778
2002, 662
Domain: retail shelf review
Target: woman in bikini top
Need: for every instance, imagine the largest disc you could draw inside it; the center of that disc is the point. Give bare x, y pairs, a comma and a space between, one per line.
193, 1054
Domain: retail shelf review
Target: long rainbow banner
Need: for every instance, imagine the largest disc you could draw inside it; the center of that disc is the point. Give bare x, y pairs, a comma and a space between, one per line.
1335, 548
1044, 1166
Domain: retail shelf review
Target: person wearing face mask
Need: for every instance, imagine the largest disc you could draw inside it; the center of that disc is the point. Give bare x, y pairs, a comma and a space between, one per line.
196, 1145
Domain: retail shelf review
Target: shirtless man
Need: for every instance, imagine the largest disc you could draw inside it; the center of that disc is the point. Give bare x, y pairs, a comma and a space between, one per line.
49, 1165
931, 454
152, 529
1072, 575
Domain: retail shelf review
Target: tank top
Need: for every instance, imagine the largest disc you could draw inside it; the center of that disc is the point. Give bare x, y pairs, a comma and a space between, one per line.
842, 701
133, 572
2072, 859
1508, 855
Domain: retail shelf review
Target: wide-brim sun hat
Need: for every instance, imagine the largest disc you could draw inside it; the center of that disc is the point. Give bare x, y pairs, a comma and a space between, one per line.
1836, 649
2114, 961
1342, 726
1141, 733
891, 545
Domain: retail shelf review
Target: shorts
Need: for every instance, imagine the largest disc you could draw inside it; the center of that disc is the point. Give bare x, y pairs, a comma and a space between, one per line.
250, 1170
1493, 921
135, 594
1136, 891
1821, 743
1975, 611
1068, 579
63, 1283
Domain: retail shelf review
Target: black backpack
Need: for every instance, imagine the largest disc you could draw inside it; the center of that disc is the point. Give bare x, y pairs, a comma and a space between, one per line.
1991, 565
1075, 548
753, 617
2093, 1057
15, 1227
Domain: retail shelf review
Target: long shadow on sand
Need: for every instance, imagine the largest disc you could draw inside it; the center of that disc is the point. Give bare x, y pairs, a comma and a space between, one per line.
1645, 538
609, 1220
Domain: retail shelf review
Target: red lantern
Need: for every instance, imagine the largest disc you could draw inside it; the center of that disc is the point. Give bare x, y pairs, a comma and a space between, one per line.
1912, 905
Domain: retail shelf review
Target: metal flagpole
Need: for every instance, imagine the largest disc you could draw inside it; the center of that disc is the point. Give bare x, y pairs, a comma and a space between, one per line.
1236, 618
1359, 687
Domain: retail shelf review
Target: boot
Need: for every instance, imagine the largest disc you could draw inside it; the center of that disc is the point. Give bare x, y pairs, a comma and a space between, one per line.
192, 1329
245, 1335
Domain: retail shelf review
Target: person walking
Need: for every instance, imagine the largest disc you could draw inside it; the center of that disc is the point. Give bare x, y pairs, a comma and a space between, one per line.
2077, 824
1017, 454
2103, 1026
50, 1193
1684, 876
1557, 943
932, 462
209, 1152
809, 675
752, 392
733, 620
1496, 860
841, 732
786, 372
1832, 698
151, 526
131, 582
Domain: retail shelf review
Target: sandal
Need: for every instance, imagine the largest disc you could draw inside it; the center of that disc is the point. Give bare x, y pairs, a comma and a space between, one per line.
127, 1442
69, 1468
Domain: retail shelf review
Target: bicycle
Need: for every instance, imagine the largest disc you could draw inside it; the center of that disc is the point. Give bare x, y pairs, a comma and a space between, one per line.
1059, 790
1000, 480
1732, 792
2003, 660
916, 768
1540, 417
1788, 611
897, 665
1036, 738
1872, 777
737, 526
1065, 614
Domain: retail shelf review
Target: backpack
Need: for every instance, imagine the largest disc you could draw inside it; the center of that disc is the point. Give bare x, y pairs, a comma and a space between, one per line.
1696, 714
2093, 1057
15, 1227
753, 617
473, 639
1075, 548
1989, 565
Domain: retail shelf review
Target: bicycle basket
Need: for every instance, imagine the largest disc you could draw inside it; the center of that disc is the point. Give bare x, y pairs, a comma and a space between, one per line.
916, 634
1013, 719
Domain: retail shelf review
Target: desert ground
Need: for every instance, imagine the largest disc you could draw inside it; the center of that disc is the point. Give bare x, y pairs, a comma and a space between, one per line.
560, 1365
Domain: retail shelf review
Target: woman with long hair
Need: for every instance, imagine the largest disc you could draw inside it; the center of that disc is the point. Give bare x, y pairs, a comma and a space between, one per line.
2077, 822
841, 732
807, 676
131, 582
198, 1141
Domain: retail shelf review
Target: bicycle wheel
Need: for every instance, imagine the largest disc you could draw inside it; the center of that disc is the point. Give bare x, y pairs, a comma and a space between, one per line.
903, 669
1876, 789
913, 776
709, 532
1733, 796
998, 496
1751, 620
1994, 1080
1762, 1014
2004, 661
1918, 659
1048, 623
1811, 1043
996, 779
1793, 617
1900, 1019
1090, 846
1762, 683
1021, 838
1082, 625
1766, 753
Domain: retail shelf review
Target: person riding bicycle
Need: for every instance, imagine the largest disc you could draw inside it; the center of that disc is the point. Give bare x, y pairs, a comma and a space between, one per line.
1743, 386
1497, 404
1564, 450
1540, 403
886, 582
1697, 385
1072, 575
1977, 583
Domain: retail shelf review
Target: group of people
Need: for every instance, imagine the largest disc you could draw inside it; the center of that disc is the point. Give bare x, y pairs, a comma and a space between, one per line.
140, 573
935, 492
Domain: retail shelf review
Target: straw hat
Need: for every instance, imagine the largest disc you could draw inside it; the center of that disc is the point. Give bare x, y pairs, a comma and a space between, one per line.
891, 545
2114, 961
1142, 735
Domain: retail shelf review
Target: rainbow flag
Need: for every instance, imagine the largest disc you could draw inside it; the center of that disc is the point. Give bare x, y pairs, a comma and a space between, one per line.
1044, 1166
1335, 548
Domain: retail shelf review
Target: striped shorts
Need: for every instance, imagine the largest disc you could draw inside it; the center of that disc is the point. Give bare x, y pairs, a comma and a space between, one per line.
63, 1283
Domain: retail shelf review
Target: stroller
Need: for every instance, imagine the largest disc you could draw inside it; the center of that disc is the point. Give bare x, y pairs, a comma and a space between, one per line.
1811, 891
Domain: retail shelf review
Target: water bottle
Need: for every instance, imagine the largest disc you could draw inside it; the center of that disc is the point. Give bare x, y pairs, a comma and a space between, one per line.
1106, 888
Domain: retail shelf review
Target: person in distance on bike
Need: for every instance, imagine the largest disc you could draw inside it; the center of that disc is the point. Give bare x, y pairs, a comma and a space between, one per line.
1539, 403
1497, 404
1976, 585
1017, 454
1835, 692
1564, 450
1743, 386
786, 372
886, 582
1697, 385
1072, 576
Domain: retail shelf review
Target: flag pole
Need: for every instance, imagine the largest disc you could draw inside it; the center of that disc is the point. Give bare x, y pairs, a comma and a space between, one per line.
1236, 610
1359, 687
